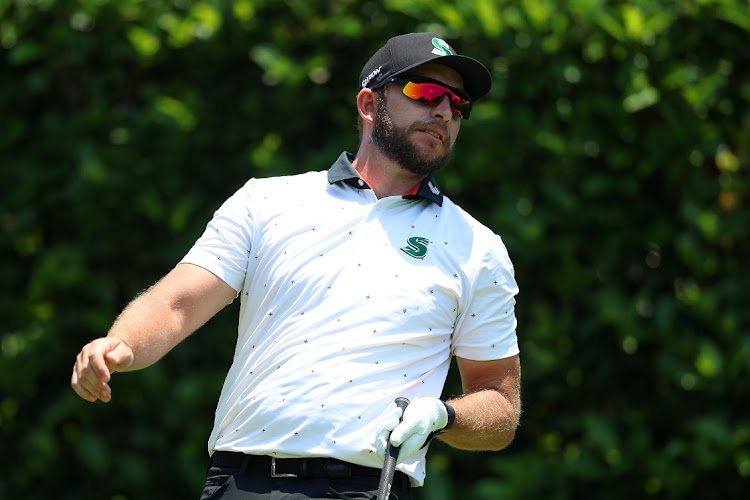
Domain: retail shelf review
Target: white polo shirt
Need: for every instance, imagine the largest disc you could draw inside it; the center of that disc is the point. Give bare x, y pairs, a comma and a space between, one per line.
348, 302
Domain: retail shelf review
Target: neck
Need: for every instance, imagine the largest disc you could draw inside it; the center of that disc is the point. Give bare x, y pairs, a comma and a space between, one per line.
385, 177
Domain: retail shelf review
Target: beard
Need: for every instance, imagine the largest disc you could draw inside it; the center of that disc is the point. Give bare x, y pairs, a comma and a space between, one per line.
394, 143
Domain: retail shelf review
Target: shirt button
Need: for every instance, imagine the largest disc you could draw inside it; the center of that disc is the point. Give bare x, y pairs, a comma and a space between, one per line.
361, 182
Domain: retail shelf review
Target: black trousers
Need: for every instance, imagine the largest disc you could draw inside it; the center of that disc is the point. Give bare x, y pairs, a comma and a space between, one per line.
243, 482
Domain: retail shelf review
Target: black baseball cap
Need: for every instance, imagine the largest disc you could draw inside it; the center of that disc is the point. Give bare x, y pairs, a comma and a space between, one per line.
405, 52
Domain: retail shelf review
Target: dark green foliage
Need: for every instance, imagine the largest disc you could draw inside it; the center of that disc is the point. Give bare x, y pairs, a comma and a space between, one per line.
612, 155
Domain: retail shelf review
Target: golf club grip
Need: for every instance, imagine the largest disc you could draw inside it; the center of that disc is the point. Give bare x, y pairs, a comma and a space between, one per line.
391, 456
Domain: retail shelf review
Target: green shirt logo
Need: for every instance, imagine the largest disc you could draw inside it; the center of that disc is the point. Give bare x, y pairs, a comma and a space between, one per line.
417, 247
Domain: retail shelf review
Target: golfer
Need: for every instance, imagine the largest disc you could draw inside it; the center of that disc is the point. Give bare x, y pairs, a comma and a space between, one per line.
357, 283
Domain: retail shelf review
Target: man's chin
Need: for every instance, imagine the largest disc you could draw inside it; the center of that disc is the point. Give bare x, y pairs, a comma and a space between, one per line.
421, 156
425, 165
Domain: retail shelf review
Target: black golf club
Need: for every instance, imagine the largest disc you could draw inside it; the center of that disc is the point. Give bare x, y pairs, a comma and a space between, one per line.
389, 464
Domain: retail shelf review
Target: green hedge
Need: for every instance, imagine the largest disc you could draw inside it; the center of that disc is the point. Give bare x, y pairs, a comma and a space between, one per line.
612, 155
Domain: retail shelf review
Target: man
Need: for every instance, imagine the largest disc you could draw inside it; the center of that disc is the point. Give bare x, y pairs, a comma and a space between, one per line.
357, 285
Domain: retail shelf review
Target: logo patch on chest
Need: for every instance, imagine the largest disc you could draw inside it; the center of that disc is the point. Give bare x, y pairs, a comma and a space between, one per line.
416, 247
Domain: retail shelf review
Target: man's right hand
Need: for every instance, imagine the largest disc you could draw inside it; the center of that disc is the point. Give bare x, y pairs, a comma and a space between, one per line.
96, 363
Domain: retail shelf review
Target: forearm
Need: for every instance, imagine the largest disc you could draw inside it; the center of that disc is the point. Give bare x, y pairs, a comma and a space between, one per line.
150, 326
485, 420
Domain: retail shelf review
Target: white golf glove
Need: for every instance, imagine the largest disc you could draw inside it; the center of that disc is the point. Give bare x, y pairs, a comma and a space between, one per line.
423, 418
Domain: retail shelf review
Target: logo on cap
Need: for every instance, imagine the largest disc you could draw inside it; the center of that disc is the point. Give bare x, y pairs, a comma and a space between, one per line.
441, 47
372, 75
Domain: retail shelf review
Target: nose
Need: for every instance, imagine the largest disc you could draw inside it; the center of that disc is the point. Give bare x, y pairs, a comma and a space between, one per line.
443, 109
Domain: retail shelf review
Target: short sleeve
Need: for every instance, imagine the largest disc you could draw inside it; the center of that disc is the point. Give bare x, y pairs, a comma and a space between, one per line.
486, 327
225, 246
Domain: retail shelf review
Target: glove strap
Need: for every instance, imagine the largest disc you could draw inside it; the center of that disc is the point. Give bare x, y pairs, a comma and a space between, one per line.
451, 417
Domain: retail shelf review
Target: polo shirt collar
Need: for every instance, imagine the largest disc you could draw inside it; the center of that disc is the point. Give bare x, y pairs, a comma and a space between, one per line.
343, 171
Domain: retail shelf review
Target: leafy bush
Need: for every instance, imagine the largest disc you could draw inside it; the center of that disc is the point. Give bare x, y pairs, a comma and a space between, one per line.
611, 155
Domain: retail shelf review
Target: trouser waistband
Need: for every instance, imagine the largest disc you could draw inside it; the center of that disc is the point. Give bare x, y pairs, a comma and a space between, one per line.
311, 467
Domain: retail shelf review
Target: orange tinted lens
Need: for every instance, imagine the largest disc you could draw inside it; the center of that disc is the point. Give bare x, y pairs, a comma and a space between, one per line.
432, 94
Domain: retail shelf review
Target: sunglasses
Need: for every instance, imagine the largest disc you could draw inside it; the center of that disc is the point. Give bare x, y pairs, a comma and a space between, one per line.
431, 92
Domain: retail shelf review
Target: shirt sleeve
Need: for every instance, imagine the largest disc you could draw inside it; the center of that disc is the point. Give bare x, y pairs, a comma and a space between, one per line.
225, 246
486, 327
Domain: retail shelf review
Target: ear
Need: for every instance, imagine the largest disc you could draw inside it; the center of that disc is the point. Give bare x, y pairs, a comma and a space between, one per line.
367, 105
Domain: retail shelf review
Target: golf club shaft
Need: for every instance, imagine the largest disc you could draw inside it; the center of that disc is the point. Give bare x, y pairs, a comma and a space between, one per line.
391, 456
